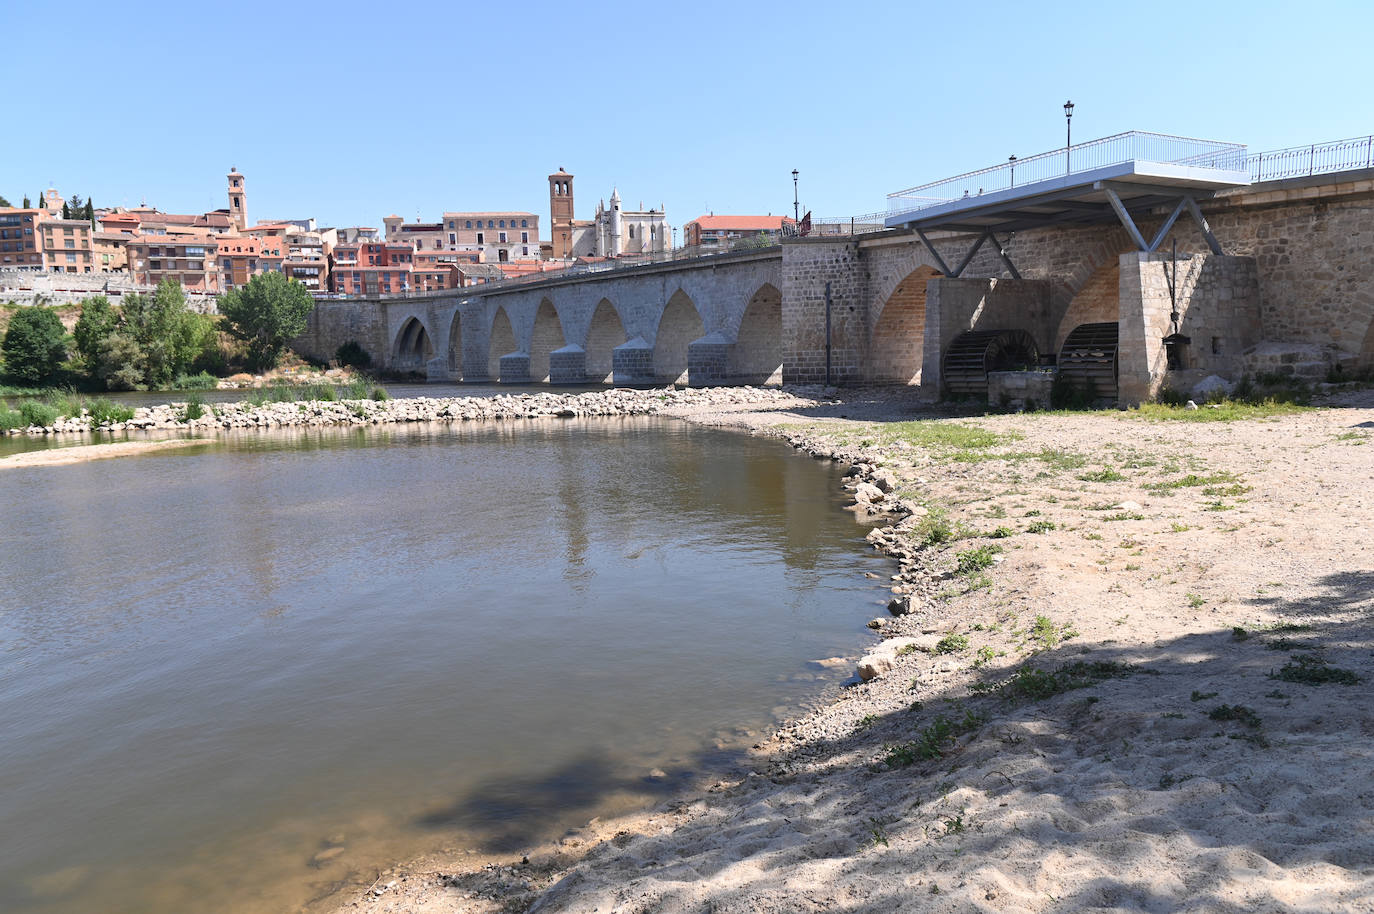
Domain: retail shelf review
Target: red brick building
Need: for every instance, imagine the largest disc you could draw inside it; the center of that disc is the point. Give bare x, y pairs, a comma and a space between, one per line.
372, 268
21, 242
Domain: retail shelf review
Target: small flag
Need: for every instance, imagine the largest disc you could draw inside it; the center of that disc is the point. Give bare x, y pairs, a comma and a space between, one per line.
806, 224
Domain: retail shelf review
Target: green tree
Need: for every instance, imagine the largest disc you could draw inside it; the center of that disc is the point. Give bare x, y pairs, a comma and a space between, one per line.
34, 345
27, 204
66, 210
88, 212
169, 335
42, 202
266, 314
98, 320
4, 202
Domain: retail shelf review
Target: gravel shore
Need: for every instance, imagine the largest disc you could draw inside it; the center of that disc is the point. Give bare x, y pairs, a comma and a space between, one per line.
1128, 665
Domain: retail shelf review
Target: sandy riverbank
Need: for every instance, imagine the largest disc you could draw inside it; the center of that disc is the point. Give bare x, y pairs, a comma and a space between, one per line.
52, 457
1193, 600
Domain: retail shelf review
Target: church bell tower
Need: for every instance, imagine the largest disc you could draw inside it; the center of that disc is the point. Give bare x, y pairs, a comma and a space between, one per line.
561, 213
238, 209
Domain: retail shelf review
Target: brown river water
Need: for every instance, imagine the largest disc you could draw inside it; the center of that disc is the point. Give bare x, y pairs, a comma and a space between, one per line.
246, 676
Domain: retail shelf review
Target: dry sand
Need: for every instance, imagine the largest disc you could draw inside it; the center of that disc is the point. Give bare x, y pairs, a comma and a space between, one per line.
1190, 778
61, 456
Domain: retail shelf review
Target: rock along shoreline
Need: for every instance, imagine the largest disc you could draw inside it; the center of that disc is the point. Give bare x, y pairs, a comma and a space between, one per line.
324, 413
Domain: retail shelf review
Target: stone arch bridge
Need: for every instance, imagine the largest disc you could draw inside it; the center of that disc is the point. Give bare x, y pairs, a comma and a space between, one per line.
710, 320
1287, 279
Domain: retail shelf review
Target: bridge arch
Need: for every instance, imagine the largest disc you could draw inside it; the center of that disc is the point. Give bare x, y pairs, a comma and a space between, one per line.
678, 325
756, 357
455, 347
502, 342
605, 332
413, 347
546, 336
1098, 300
898, 340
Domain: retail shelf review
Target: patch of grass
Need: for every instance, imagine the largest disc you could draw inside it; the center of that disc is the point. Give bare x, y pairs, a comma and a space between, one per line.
1191, 480
970, 561
1040, 526
868, 720
1061, 460
1202, 696
1176, 527
1195, 600
907, 649
1125, 515
1312, 669
1000, 533
1048, 635
320, 393
1221, 411
11, 419
356, 389
1231, 491
1033, 684
1238, 713
1104, 475
1239, 633
951, 644
932, 742
1217, 506
379, 394
946, 436
984, 656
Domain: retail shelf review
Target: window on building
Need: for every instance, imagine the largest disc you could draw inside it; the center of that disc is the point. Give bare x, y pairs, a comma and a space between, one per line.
479, 238
71, 258
525, 237
467, 224
452, 237
524, 223
490, 224
632, 233
502, 237
525, 251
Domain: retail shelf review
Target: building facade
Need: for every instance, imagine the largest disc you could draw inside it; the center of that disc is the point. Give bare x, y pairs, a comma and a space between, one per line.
187, 257
372, 268
712, 234
612, 232
21, 245
68, 245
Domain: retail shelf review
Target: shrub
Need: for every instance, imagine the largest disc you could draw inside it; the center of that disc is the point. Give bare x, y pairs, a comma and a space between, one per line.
194, 408
34, 345
103, 412
971, 560
35, 413
951, 644
201, 381
266, 314
320, 392
356, 390
11, 419
379, 394
353, 355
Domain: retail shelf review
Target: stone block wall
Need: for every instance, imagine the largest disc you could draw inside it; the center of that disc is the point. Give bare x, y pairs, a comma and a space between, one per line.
1218, 303
568, 365
807, 267
333, 323
1020, 389
633, 362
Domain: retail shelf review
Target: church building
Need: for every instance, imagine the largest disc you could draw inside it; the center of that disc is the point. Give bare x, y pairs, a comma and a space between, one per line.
614, 232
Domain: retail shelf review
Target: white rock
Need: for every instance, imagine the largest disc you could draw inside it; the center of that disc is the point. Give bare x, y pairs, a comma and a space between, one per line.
866, 492
1212, 387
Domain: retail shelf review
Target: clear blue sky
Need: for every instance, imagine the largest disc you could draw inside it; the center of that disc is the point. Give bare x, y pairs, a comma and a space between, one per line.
348, 112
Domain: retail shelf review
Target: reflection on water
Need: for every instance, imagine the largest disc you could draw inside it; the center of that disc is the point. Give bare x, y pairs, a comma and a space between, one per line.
240, 676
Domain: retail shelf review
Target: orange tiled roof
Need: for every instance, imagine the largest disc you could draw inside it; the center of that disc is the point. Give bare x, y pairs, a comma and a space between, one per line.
741, 223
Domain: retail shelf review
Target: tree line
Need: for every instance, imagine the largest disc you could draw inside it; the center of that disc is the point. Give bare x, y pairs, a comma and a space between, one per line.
149, 340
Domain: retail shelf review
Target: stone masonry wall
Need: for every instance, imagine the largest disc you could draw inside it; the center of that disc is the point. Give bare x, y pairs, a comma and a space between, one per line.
333, 323
806, 268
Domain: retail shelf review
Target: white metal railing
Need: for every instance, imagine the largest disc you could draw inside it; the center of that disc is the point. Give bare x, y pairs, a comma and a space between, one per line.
1313, 159
1132, 146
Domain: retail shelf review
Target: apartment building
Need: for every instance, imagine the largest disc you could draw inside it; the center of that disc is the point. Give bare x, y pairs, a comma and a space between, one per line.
241, 257
21, 245
307, 257
372, 268
187, 256
68, 245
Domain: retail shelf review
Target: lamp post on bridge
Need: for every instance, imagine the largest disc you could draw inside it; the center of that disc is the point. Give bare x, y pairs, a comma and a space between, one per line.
1012, 160
1068, 133
796, 206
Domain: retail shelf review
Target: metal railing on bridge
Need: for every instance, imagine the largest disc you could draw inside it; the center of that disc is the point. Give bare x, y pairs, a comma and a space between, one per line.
1132, 146
1313, 159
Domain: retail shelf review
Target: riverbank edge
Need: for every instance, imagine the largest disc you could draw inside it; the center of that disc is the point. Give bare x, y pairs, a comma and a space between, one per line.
503, 878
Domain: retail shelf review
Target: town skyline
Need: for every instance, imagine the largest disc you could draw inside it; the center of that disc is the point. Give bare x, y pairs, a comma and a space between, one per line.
678, 111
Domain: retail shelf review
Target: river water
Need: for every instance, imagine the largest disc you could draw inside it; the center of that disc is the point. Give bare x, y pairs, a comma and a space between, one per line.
248, 675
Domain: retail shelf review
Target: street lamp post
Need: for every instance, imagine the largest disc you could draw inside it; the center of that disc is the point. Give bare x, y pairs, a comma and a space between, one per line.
796, 206
1012, 160
1068, 133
